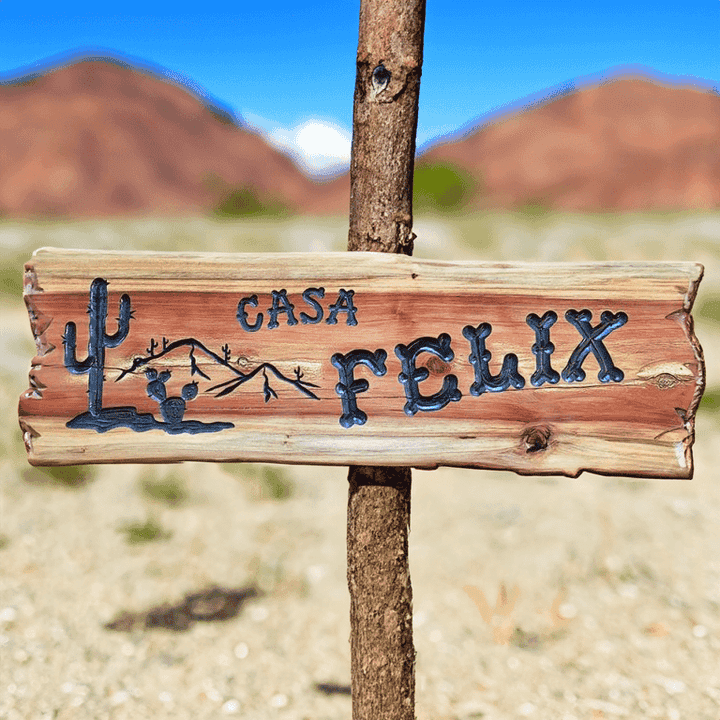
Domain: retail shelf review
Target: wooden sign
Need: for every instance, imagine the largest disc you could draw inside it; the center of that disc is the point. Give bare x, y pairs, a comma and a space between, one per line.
362, 358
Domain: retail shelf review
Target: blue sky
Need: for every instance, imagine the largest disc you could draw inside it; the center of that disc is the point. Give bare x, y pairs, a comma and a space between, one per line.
288, 68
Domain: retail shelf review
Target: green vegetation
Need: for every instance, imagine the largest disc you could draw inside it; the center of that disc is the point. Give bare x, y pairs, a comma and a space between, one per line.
241, 202
269, 482
709, 309
275, 483
245, 202
710, 402
441, 187
68, 476
535, 208
11, 280
25, 81
139, 533
11, 272
169, 490
222, 116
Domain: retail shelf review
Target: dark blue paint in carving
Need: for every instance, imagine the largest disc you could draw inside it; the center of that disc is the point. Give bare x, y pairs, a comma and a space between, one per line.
411, 376
98, 340
103, 419
543, 348
309, 297
172, 409
156, 386
592, 342
280, 304
129, 417
242, 315
344, 304
349, 387
298, 383
480, 360
229, 385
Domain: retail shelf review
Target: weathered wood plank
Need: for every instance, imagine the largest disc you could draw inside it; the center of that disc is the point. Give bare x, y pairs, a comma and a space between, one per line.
616, 395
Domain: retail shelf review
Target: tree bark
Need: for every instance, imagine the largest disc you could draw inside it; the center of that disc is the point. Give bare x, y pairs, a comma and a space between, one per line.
382, 654
389, 65
387, 86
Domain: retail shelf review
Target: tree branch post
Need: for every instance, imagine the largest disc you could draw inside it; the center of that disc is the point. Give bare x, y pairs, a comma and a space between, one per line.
389, 65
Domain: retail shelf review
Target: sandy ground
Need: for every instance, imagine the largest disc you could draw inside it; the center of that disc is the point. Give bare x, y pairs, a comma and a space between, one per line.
607, 590
616, 613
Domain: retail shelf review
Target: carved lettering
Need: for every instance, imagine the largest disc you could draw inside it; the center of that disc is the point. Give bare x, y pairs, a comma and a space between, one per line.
592, 342
411, 375
174, 391
344, 304
242, 316
480, 359
280, 304
348, 387
309, 297
543, 348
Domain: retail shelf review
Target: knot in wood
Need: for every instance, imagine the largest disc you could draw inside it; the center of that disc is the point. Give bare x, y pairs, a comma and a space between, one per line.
536, 439
665, 381
436, 366
380, 79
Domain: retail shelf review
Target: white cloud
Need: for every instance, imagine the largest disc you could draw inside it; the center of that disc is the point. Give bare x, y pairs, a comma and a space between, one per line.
319, 147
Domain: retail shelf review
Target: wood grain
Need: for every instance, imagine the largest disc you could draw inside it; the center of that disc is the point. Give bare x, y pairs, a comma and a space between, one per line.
642, 425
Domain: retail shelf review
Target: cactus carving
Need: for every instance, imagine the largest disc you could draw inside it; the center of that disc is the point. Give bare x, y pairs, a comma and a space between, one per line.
172, 407
103, 419
94, 363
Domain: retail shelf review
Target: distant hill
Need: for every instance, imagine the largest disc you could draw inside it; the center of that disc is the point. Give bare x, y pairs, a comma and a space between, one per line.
632, 143
98, 137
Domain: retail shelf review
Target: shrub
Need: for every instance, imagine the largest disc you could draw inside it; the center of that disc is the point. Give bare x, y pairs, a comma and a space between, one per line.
139, 533
169, 490
709, 309
268, 482
245, 202
11, 279
534, 208
68, 476
441, 187
710, 401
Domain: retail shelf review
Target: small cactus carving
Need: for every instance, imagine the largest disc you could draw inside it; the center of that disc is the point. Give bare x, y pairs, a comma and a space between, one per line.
98, 340
171, 408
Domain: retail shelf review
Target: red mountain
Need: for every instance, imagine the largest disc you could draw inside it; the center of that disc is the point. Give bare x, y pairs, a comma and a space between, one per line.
632, 143
99, 137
